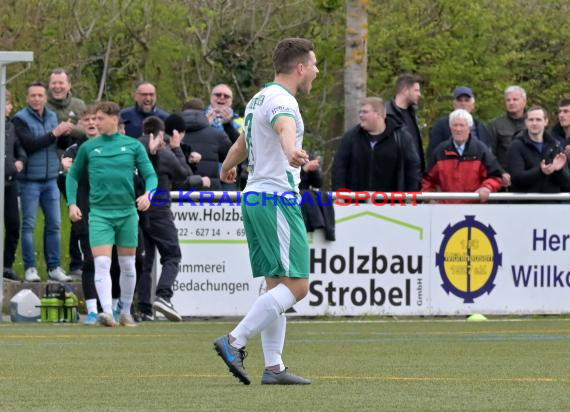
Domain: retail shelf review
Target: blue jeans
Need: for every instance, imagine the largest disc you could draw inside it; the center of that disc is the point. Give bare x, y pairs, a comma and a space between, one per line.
45, 194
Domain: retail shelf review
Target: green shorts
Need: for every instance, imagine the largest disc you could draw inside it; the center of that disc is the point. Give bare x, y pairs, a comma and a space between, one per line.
276, 236
121, 231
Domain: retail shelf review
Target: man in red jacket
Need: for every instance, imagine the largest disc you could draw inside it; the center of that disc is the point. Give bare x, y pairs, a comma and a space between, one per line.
462, 164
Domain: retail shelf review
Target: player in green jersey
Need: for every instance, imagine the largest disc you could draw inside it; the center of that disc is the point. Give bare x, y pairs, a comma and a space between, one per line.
110, 160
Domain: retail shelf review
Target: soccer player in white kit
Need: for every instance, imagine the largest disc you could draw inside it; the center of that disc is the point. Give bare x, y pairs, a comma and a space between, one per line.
277, 238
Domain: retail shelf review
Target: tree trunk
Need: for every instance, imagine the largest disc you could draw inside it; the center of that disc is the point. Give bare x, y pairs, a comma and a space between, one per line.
355, 59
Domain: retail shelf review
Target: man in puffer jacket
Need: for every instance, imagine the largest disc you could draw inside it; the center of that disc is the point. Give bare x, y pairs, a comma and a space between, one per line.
212, 144
39, 132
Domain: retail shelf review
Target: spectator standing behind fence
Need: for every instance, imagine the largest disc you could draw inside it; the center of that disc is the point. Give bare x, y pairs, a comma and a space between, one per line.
463, 98
80, 229
77, 252
173, 123
462, 164
67, 107
536, 160
61, 101
561, 130
15, 158
318, 212
504, 128
221, 114
403, 108
160, 233
38, 131
377, 154
88, 127
145, 105
210, 142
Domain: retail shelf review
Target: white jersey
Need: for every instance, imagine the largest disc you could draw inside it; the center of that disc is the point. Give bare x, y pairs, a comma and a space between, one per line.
269, 170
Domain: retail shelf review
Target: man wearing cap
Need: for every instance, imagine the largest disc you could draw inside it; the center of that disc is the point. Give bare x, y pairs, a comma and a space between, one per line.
463, 98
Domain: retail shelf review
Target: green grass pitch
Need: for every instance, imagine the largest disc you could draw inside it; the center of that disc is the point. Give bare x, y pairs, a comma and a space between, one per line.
413, 365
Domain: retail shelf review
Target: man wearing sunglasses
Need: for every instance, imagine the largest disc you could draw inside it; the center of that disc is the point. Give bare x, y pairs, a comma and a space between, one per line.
220, 113
222, 116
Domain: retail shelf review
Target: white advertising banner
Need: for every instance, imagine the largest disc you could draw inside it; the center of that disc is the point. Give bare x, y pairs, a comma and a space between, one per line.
215, 277
503, 259
390, 260
377, 265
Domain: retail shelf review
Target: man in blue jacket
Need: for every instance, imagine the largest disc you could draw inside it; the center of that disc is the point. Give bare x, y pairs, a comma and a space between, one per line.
38, 130
145, 106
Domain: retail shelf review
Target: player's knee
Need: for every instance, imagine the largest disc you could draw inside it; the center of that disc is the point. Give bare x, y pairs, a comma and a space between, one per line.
300, 291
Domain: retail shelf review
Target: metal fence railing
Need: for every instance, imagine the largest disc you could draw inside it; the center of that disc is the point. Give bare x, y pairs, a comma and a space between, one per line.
423, 197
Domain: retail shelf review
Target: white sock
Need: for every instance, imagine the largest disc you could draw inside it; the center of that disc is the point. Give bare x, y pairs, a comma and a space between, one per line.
91, 305
115, 304
264, 311
103, 282
273, 340
127, 281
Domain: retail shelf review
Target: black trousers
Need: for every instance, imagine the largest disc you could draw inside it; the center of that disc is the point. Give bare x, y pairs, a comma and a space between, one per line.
159, 233
12, 224
88, 268
75, 250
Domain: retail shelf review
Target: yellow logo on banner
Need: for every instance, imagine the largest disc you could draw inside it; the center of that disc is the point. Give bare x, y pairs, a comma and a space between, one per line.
468, 259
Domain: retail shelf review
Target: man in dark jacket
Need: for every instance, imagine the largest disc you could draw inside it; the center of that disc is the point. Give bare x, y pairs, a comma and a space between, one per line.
86, 129
38, 131
160, 232
463, 98
561, 130
145, 106
13, 164
403, 109
461, 163
80, 230
63, 103
316, 206
504, 128
377, 154
211, 143
536, 160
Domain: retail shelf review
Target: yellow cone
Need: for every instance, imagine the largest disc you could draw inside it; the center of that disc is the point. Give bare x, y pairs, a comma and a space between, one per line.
476, 317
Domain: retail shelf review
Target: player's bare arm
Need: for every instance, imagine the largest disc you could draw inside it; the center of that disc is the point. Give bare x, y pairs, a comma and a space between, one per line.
286, 129
236, 155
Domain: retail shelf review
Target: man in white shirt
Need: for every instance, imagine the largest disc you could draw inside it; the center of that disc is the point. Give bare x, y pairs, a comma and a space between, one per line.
277, 239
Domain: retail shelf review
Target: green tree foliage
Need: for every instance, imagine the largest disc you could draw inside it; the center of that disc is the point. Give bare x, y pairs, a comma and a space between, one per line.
487, 45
